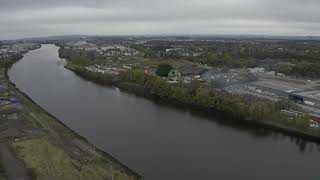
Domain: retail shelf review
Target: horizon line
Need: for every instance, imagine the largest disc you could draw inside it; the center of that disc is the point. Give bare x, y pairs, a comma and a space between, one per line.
171, 35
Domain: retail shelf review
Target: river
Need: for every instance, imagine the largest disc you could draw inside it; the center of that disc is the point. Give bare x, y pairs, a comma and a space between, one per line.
157, 141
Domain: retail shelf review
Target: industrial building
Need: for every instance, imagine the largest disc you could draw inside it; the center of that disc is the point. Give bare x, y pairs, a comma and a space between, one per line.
310, 98
303, 92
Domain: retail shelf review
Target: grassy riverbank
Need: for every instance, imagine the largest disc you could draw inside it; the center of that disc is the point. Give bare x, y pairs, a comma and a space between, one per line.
2, 173
241, 109
53, 151
43, 148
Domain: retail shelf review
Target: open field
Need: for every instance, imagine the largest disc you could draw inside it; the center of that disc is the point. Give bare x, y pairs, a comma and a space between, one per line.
48, 161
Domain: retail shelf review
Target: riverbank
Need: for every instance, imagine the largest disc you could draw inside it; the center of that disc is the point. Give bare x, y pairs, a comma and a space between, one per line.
48, 149
71, 144
137, 89
154, 137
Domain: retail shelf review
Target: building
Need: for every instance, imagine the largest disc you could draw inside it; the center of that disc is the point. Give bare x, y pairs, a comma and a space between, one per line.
174, 73
309, 98
256, 70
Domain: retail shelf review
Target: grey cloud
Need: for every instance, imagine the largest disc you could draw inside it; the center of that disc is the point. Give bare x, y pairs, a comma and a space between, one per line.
48, 17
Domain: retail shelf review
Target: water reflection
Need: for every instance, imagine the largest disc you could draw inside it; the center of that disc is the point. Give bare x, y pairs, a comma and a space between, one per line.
255, 131
157, 140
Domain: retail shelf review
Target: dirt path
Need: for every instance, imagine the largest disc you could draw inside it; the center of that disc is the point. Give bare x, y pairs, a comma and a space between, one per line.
13, 167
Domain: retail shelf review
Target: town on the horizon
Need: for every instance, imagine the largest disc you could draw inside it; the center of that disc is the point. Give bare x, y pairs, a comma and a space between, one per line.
159, 90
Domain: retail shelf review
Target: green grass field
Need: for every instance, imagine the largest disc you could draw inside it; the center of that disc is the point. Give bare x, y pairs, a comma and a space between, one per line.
51, 162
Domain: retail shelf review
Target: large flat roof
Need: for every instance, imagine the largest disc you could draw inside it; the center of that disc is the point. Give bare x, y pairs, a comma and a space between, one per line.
314, 94
281, 85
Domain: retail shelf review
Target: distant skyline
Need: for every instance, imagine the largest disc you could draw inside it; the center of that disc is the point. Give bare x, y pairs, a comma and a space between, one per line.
40, 18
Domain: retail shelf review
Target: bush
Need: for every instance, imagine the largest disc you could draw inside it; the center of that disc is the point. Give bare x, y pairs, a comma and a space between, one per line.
163, 70
80, 61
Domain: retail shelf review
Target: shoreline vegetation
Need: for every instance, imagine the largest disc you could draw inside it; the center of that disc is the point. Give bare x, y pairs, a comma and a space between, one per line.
239, 109
51, 150
105, 158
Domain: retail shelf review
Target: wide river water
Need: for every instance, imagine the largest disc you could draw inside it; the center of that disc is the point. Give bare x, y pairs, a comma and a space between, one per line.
157, 141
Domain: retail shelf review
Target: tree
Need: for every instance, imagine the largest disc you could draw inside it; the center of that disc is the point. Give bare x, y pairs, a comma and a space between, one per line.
262, 110
302, 122
283, 68
217, 84
163, 70
80, 61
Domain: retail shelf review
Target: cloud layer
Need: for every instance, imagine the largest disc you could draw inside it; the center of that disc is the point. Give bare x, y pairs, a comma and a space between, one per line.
33, 18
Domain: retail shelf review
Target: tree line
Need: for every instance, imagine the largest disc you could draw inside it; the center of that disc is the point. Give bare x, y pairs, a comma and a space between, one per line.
241, 107
238, 106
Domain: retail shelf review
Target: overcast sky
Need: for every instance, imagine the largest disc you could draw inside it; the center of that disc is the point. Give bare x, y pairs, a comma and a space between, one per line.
34, 18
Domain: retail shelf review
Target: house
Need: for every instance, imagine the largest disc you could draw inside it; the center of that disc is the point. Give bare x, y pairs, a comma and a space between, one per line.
186, 54
4, 101
187, 79
174, 73
169, 50
118, 51
256, 70
3, 88
89, 48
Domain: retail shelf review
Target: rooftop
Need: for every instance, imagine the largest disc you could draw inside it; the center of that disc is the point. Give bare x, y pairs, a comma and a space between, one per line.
281, 86
314, 94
